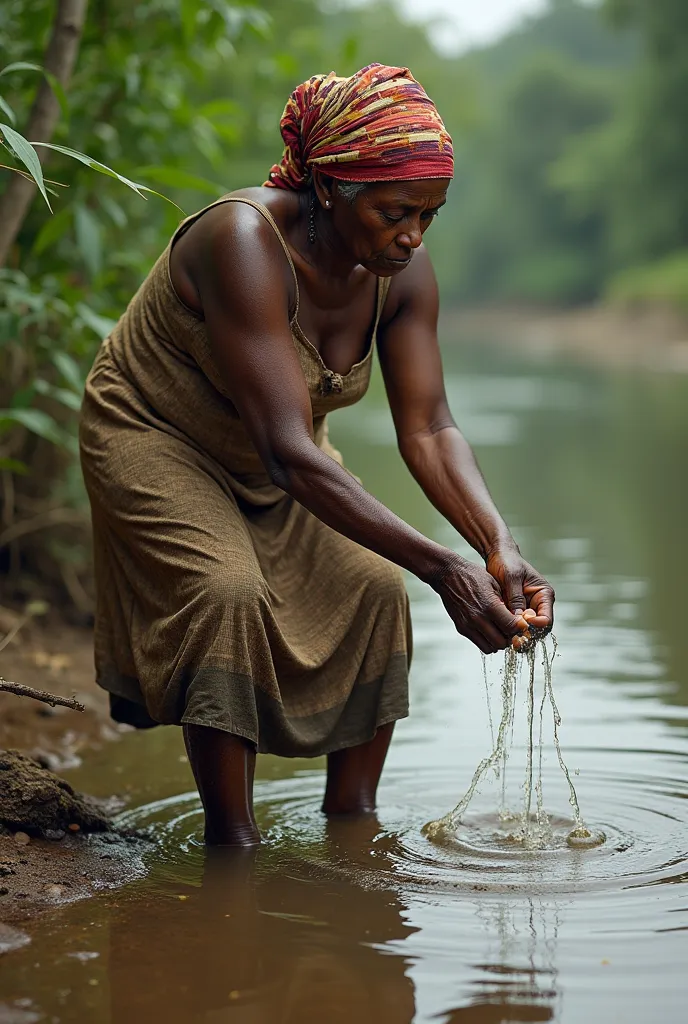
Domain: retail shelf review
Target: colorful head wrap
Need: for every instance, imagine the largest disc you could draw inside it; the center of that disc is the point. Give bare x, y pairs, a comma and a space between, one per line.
378, 125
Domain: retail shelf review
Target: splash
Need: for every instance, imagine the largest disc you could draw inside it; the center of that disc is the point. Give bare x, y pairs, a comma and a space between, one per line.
532, 829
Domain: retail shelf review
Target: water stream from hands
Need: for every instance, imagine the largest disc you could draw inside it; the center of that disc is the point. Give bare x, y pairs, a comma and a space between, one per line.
533, 831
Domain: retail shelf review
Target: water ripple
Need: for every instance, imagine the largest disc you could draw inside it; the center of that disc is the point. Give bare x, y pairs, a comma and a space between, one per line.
643, 817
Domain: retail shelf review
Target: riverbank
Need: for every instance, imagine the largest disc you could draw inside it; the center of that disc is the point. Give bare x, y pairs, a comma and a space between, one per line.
41, 871
650, 338
51, 655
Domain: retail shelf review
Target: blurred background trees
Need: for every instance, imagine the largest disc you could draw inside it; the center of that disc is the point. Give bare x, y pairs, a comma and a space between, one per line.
572, 163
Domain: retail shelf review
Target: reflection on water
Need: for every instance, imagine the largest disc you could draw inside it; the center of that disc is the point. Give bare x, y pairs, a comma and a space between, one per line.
371, 922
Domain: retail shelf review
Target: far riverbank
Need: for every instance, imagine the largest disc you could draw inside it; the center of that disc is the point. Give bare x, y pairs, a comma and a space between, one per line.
650, 338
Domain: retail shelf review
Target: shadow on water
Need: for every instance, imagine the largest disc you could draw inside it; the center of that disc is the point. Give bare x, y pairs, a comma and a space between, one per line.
371, 922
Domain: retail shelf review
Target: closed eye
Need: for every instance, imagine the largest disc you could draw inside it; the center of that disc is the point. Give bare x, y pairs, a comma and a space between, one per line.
392, 220
427, 215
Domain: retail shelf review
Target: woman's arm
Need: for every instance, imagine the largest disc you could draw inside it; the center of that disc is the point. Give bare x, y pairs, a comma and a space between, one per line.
437, 454
249, 334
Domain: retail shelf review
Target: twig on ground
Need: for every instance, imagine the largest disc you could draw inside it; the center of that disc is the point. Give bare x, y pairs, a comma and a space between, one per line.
20, 690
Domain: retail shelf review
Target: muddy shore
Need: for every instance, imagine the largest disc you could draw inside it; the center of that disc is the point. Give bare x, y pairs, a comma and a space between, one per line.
55, 866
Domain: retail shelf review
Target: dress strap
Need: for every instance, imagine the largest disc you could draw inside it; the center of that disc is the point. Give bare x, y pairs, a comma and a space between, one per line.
263, 210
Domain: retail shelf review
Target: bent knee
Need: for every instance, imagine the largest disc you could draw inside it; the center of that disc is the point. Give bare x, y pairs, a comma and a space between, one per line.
240, 592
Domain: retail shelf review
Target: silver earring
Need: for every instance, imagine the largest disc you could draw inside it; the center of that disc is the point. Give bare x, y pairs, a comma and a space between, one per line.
328, 204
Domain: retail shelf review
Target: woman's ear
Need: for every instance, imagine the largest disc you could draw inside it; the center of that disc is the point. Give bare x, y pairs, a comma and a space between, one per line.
323, 185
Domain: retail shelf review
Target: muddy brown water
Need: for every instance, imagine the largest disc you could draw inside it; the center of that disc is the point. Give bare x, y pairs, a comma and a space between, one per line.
370, 921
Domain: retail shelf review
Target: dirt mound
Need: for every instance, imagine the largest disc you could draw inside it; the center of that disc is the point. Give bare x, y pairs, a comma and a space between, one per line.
35, 801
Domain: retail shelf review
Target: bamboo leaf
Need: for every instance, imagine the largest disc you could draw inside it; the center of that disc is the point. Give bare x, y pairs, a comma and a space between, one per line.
34, 420
102, 325
68, 368
53, 82
7, 110
14, 466
25, 152
88, 238
20, 65
96, 165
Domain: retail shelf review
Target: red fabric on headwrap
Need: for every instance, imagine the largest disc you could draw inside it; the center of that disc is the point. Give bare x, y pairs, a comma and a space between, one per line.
378, 125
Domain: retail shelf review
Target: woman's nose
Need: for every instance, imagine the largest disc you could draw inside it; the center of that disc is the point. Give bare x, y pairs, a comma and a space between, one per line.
410, 239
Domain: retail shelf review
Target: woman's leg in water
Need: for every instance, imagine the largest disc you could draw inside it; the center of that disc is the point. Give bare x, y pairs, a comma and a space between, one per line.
223, 767
353, 775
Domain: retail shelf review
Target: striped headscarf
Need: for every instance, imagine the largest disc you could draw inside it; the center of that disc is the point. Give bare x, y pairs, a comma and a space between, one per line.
378, 125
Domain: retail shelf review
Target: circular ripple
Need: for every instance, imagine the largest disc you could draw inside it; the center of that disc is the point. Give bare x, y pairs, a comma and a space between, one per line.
643, 819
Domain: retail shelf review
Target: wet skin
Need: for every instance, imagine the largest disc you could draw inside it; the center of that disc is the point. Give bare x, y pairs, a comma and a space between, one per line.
215, 267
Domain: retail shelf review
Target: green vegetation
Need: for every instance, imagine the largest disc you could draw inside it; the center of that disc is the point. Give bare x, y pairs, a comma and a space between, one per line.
571, 167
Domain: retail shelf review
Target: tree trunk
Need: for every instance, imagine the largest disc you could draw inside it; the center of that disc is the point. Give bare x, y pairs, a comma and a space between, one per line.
60, 57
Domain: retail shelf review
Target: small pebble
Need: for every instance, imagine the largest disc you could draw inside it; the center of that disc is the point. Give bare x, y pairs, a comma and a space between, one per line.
54, 891
22, 839
74, 827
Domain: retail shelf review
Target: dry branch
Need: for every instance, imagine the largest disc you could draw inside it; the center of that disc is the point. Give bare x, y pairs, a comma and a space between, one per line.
53, 517
20, 690
60, 57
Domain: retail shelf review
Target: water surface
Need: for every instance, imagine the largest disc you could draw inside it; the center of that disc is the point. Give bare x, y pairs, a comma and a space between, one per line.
369, 921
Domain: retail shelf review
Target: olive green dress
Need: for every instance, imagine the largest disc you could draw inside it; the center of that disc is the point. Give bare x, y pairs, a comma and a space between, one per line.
222, 601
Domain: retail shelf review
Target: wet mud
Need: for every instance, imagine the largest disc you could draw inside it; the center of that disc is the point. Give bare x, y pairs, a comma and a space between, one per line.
44, 862
44, 873
35, 801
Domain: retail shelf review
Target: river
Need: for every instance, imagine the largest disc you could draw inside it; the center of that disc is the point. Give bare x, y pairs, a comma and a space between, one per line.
370, 922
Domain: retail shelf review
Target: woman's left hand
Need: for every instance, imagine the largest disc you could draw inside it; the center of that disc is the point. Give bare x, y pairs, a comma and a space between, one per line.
522, 587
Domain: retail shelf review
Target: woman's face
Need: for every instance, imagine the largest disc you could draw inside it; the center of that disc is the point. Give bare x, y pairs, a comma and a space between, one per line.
387, 221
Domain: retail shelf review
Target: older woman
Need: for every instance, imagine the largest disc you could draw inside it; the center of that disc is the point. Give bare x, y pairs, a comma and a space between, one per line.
248, 585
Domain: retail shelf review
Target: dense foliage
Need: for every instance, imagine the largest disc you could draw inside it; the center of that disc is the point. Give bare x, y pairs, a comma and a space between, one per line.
571, 168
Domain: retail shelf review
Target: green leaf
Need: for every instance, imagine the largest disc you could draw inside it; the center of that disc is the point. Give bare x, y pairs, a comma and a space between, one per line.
25, 152
68, 368
113, 210
7, 110
60, 94
34, 420
20, 65
53, 82
52, 230
61, 395
102, 325
96, 165
88, 238
188, 10
176, 178
14, 466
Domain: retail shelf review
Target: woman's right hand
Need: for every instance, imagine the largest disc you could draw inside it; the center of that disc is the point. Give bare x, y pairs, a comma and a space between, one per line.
475, 606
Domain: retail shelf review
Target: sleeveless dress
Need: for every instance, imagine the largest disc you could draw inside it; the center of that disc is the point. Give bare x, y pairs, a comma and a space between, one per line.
221, 601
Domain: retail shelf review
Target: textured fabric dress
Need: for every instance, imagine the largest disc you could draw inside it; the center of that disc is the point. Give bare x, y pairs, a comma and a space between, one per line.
221, 601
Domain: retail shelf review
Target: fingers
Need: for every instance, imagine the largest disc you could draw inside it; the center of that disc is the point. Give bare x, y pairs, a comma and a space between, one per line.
512, 591
541, 601
507, 623
496, 639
